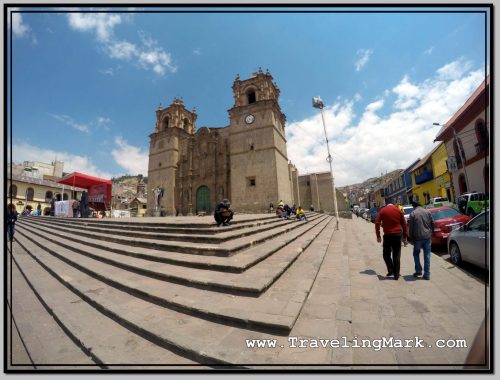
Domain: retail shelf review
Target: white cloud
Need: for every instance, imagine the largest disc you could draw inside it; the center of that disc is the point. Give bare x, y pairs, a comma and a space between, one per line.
429, 51
131, 158
197, 51
407, 93
380, 140
121, 50
363, 58
103, 120
102, 24
109, 71
455, 69
19, 27
147, 55
68, 120
72, 162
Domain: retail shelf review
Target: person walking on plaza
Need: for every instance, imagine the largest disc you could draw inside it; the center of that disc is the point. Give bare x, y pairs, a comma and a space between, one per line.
394, 225
11, 220
421, 226
76, 207
53, 207
223, 213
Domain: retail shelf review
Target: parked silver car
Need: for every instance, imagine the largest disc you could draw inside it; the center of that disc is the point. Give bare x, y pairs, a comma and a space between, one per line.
470, 242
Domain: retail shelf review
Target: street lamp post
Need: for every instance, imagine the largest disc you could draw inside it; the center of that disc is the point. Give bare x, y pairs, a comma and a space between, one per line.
460, 152
318, 103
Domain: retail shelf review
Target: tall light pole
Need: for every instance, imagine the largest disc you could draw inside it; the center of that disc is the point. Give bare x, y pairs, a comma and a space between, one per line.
460, 152
318, 103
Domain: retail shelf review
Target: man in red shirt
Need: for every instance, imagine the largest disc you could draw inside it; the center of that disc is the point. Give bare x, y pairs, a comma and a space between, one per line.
394, 225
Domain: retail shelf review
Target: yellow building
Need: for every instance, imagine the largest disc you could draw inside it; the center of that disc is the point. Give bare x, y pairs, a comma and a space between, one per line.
27, 193
430, 176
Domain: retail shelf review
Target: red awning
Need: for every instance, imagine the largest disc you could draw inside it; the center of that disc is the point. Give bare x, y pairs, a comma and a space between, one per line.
87, 182
82, 180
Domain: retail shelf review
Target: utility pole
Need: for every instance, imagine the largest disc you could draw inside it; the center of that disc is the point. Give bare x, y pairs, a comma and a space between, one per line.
318, 103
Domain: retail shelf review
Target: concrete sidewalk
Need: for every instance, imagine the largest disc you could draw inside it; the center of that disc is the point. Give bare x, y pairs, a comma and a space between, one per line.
451, 306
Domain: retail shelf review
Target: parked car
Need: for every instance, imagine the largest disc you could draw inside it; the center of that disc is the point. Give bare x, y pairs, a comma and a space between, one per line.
360, 211
446, 219
407, 210
472, 203
470, 242
438, 202
373, 212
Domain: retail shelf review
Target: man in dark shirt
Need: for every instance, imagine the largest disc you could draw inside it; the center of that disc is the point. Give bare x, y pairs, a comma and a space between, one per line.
223, 213
394, 225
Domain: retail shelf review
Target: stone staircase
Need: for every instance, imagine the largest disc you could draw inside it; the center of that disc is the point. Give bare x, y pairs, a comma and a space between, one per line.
176, 292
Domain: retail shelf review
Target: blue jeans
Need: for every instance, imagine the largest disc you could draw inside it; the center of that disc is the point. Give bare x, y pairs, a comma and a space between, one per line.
426, 246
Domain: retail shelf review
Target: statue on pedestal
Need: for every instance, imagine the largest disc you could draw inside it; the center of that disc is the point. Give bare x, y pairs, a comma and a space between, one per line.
158, 194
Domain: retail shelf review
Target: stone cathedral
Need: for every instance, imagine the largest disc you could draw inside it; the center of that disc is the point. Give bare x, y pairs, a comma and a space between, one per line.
245, 161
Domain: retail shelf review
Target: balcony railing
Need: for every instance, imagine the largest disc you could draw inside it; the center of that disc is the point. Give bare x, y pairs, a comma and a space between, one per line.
425, 176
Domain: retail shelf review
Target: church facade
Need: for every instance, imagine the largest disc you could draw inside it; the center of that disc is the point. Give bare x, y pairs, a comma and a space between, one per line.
245, 161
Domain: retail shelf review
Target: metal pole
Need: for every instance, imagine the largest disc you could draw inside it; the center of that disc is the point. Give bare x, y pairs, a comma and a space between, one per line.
329, 159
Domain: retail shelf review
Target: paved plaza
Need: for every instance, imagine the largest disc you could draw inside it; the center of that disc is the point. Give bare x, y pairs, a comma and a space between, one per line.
329, 296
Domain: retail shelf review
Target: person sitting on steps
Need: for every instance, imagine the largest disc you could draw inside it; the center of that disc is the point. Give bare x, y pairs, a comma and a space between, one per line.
223, 213
301, 214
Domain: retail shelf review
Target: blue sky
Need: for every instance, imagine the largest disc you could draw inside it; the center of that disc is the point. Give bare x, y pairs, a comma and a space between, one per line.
86, 85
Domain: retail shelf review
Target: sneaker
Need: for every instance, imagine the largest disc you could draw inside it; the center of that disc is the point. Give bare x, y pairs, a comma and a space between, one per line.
225, 224
417, 274
389, 274
396, 277
426, 278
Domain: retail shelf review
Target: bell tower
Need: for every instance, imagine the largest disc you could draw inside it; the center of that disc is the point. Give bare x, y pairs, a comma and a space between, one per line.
174, 125
259, 163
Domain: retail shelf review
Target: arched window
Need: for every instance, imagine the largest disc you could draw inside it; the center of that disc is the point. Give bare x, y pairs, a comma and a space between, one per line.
12, 191
186, 124
58, 197
30, 193
462, 185
482, 136
48, 196
65, 197
165, 122
251, 96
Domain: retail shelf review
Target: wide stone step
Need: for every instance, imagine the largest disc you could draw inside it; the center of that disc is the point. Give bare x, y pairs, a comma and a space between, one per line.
101, 337
223, 234
275, 310
208, 228
188, 222
166, 327
223, 249
254, 281
63, 349
236, 263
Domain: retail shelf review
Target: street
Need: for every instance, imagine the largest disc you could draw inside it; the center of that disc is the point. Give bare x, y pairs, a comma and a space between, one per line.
441, 251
